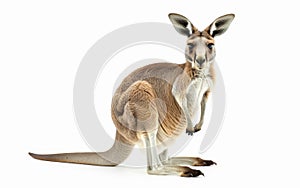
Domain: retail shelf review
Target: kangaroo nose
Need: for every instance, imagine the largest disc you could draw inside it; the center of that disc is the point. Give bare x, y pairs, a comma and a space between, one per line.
200, 60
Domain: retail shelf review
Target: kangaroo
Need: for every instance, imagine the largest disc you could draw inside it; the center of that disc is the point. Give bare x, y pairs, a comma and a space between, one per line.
154, 104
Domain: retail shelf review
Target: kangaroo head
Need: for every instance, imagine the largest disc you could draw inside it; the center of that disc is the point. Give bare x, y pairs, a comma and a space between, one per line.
200, 49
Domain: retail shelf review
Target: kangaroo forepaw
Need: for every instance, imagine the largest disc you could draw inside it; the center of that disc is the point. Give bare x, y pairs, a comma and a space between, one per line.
190, 131
198, 127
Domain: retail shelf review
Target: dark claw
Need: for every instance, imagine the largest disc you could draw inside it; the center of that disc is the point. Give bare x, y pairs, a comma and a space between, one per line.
192, 173
198, 173
208, 163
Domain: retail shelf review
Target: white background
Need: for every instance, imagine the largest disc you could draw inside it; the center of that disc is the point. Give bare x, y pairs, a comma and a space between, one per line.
42, 45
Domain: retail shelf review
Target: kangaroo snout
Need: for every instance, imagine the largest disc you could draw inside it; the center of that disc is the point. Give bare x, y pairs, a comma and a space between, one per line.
200, 60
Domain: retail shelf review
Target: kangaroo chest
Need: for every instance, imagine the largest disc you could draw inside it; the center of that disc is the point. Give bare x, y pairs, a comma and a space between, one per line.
191, 98
194, 95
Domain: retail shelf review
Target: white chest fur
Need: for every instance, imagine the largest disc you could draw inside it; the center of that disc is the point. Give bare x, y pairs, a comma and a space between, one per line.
190, 99
195, 93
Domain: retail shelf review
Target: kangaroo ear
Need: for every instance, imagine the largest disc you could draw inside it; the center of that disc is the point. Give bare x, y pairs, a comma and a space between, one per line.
182, 24
220, 25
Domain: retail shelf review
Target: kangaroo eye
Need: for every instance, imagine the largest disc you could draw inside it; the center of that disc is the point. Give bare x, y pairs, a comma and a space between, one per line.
210, 46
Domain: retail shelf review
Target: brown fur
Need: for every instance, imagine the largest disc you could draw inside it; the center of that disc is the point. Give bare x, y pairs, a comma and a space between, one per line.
155, 84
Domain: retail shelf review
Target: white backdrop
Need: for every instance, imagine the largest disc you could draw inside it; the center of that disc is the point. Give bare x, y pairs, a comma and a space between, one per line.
42, 45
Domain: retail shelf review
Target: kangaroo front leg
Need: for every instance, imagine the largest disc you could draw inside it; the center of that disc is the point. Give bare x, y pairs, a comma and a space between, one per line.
155, 167
190, 126
179, 92
198, 126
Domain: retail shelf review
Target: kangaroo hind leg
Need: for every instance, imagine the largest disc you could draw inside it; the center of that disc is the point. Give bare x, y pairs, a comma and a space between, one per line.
158, 167
190, 161
142, 105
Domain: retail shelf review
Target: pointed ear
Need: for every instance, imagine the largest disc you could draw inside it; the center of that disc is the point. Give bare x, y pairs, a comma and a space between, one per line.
182, 24
220, 25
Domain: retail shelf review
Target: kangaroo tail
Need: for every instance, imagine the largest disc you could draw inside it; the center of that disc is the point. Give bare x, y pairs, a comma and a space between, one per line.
112, 157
